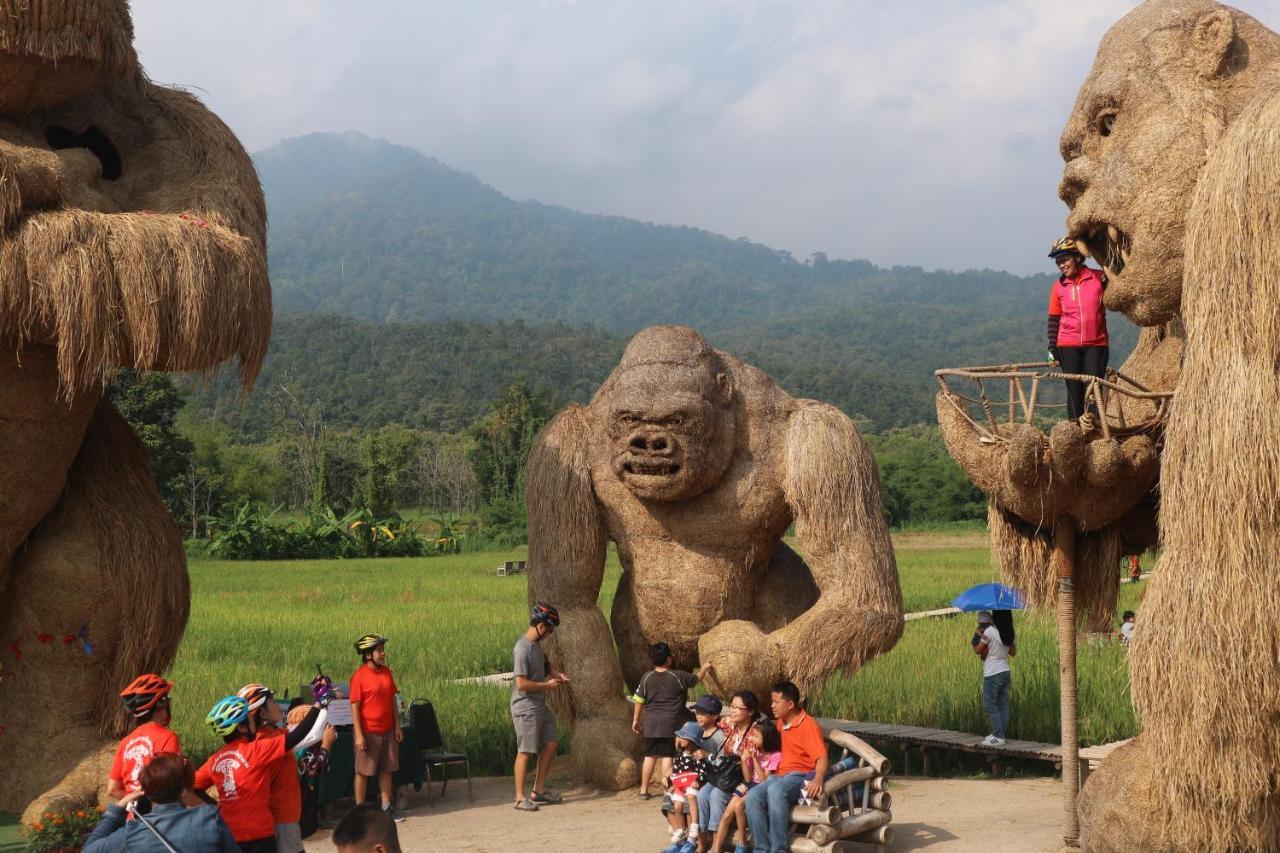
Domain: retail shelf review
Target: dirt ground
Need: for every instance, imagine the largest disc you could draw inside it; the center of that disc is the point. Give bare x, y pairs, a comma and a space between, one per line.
938, 815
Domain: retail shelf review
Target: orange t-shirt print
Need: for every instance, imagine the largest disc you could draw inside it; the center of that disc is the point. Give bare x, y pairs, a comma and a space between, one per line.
136, 751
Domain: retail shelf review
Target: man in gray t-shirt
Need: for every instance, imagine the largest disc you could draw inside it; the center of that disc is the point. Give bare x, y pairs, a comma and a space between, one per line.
535, 724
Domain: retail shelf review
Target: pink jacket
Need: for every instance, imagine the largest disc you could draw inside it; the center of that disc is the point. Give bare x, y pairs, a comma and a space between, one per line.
1078, 302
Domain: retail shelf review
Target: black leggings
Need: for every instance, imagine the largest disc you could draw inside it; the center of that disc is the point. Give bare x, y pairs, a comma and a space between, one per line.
1087, 361
260, 845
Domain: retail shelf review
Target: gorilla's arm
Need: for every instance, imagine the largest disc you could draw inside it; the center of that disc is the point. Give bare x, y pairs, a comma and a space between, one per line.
833, 488
567, 545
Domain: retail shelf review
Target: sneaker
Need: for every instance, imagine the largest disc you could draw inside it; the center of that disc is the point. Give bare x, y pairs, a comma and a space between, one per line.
676, 847
687, 846
527, 805
740, 849
547, 797
989, 740
395, 815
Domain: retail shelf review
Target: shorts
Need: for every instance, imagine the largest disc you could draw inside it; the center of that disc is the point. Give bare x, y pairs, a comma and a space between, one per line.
289, 838
673, 802
534, 731
660, 747
381, 753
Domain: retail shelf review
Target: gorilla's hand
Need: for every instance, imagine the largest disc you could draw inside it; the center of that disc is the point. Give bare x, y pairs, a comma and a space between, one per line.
30, 179
741, 657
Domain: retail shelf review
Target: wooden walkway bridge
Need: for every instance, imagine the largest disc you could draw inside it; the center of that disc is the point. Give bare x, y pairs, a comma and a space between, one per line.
927, 740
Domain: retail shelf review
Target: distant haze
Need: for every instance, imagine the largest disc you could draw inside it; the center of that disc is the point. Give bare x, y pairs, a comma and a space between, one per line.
921, 133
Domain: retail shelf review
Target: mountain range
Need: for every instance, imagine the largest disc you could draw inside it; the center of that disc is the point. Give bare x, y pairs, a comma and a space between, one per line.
409, 292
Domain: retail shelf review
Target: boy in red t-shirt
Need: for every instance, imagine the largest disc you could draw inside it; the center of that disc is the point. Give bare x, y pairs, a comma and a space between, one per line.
242, 770
147, 701
375, 720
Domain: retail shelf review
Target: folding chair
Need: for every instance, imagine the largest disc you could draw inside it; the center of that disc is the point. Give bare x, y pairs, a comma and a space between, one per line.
422, 719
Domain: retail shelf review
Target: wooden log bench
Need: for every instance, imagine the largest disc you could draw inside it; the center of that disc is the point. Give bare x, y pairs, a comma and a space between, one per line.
842, 821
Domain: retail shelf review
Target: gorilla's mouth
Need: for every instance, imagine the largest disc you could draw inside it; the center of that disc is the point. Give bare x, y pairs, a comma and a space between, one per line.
651, 467
1107, 245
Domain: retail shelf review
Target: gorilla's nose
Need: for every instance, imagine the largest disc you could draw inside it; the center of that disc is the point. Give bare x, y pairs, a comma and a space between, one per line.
1075, 180
650, 443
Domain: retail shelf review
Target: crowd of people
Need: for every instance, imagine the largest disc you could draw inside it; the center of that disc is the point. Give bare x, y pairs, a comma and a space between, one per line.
262, 772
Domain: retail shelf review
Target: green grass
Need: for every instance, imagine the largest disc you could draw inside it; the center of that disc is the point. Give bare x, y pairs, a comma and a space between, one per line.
451, 617
932, 678
10, 834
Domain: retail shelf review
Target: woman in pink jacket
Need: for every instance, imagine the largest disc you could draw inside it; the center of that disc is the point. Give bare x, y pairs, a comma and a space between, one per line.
1077, 321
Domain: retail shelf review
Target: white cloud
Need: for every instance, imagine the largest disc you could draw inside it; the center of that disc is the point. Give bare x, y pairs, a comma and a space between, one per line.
922, 133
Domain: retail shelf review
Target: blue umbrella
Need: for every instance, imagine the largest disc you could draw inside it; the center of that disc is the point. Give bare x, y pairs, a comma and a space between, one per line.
988, 596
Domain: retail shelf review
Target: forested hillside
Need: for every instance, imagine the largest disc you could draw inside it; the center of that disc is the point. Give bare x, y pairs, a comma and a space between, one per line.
427, 325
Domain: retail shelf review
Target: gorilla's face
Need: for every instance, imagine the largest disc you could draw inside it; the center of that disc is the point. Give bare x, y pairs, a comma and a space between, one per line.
1134, 147
671, 432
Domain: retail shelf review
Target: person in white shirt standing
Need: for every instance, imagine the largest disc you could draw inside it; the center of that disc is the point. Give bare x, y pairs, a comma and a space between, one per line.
994, 642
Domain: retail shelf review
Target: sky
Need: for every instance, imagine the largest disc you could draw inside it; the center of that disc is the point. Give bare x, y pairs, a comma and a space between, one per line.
921, 133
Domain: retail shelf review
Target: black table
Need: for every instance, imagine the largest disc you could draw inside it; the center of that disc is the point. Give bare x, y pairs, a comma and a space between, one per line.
336, 782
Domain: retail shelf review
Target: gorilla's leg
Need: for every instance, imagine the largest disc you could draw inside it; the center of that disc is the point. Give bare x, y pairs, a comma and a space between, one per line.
110, 558
786, 590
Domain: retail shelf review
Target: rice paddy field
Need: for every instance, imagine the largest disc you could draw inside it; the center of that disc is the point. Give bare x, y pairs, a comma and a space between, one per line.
452, 617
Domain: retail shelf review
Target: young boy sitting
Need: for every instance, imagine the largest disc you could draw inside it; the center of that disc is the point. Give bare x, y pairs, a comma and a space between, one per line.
680, 804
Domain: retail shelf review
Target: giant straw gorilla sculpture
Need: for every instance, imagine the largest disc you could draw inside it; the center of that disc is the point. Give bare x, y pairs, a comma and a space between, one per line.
1173, 178
696, 464
132, 234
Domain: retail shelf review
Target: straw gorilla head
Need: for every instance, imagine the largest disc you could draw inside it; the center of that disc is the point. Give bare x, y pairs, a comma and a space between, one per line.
670, 415
1167, 80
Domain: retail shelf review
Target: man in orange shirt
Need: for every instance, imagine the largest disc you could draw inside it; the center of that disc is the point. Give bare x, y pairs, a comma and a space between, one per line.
375, 720
802, 769
147, 701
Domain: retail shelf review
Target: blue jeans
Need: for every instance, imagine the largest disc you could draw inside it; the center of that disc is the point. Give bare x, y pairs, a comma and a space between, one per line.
711, 805
995, 701
769, 812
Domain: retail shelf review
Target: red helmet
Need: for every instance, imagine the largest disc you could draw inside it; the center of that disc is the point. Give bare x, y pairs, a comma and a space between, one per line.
545, 613
255, 694
144, 693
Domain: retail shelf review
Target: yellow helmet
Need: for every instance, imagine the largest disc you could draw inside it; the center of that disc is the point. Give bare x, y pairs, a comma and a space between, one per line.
1064, 246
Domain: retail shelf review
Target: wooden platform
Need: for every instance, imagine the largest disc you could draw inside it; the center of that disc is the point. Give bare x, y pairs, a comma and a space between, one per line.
943, 739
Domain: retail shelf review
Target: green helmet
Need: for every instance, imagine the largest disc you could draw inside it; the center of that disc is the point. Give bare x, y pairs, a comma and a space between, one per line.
227, 714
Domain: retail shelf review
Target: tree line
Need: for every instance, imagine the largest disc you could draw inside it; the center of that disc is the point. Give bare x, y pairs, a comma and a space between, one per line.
404, 480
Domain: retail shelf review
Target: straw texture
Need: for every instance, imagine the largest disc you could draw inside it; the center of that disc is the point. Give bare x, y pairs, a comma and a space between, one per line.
139, 242
695, 465
1191, 186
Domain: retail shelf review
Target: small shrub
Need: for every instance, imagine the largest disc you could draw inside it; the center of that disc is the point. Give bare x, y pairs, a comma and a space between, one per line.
61, 830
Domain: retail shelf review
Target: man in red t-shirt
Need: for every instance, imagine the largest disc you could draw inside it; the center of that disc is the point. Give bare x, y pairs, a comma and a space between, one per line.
147, 701
243, 768
375, 720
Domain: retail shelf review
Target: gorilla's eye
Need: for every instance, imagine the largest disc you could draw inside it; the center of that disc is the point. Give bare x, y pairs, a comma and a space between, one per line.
1105, 123
675, 420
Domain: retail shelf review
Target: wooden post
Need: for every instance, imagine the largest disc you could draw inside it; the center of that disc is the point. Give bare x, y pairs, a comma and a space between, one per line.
1064, 553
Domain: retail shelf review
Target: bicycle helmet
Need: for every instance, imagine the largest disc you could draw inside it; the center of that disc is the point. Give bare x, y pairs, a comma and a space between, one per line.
369, 642
1065, 246
226, 715
255, 694
545, 613
144, 693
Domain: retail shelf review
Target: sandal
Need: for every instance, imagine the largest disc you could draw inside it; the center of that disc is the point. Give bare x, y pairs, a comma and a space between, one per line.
527, 805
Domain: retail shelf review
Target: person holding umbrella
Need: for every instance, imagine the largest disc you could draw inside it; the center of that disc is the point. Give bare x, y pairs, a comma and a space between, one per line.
995, 642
